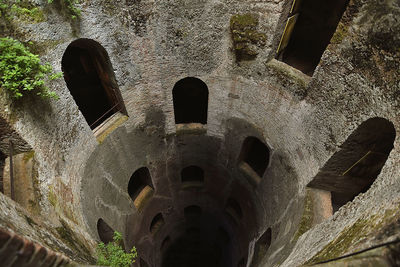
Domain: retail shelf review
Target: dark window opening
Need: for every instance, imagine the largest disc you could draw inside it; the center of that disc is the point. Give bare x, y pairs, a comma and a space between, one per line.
190, 96
316, 23
256, 154
192, 174
354, 168
105, 232
139, 180
90, 79
156, 223
166, 242
192, 212
261, 247
233, 210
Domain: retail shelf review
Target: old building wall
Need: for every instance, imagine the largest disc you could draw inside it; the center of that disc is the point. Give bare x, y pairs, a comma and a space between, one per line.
303, 119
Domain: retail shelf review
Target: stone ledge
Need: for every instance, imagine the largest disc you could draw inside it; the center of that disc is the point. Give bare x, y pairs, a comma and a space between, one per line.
108, 126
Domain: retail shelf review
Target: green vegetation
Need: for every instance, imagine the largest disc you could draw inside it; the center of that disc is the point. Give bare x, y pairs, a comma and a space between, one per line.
69, 5
21, 71
246, 38
113, 254
23, 10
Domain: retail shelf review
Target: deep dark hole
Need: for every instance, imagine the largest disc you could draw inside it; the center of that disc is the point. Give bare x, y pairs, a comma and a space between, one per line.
198, 246
192, 212
190, 96
139, 179
156, 223
192, 173
256, 154
85, 84
312, 33
105, 231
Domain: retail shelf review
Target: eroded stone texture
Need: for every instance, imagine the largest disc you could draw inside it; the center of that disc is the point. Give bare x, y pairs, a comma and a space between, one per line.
302, 119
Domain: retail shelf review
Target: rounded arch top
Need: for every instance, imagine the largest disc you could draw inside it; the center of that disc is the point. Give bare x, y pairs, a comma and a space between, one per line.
90, 78
190, 96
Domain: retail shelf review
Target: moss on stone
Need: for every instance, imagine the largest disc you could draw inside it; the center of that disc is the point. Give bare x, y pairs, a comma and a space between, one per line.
28, 156
52, 197
307, 218
340, 33
355, 234
246, 38
72, 241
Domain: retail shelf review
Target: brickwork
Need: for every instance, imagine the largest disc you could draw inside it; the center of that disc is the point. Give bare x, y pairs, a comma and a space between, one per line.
16, 251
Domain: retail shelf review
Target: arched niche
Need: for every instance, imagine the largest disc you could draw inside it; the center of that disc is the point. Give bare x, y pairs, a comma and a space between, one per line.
190, 97
261, 247
309, 29
156, 223
105, 232
254, 159
140, 187
353, 169
90, 79
234, 210
192, 176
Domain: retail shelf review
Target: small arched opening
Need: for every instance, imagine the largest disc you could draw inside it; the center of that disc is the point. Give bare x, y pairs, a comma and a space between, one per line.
140, 186
90, 79
354, 168
105, 232
192, 176
190, 97
234, 210
254, 158
156, 223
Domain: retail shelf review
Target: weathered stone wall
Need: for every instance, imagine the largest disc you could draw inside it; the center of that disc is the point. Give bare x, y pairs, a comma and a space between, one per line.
303, 119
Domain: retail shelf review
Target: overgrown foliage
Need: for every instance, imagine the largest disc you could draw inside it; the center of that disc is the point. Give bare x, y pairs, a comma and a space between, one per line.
69, 5
21, 71
22, 10
113, 254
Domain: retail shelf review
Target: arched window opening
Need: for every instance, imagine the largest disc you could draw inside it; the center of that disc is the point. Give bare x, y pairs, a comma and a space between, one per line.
90, 79
192, 212
156, 223
234, 210
190, 96
354, 168
166, 242
192, 176
261, 247
105, 232
254, 158
309, 29
140, 186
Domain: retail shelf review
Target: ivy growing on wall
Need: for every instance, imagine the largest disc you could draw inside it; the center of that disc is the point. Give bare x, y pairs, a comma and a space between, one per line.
22, 72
